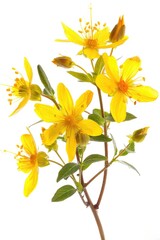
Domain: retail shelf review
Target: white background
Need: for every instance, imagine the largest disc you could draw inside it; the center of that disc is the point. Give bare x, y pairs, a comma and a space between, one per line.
130, 209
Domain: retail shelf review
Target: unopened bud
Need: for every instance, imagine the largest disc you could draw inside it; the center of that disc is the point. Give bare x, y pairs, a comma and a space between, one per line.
118, 31
82, 139
139, 135
63, 61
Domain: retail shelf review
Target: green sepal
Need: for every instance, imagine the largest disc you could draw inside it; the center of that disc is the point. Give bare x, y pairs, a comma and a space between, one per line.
82, 77
100, 138
42, 159
63, 193
92, 159
129, 165
129, 149
97, 118
67, 170
44, 79
35, 92
99, 65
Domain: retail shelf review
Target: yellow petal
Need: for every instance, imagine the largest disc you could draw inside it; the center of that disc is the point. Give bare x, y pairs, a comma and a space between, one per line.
130, 68
115, 44
106, 85
28, 69
28, 144
118, 107
31, 181
91, 53
72, 35
90, 127
143, 93
83, 101
24, 164
48, 113
71, 143
20, 106
65, 99
50, 135
111, 67
102, 36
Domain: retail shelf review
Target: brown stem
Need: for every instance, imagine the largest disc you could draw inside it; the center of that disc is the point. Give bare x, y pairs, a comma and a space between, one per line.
106, 154
90, 204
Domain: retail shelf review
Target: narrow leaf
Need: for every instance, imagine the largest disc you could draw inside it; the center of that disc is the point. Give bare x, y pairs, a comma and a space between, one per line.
67, 170
129, 116
63, 193
81, 76
100, 138
114, 145
44, 79
129, 165
99, 65
97, 118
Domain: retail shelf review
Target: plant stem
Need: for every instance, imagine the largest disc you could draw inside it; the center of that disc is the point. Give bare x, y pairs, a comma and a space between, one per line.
90, 204
106, 154
52, 99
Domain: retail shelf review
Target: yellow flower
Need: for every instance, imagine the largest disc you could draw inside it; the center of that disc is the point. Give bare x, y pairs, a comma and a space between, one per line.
22, 89
119, 84
67, 119
29, 159
92, 38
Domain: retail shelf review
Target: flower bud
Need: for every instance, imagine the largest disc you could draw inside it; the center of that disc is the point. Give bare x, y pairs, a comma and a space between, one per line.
63, 61
139, 135
118, 31
82, 139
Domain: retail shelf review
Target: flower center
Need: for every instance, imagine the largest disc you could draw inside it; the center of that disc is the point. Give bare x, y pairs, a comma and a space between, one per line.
91, 43
70, 120
123, 86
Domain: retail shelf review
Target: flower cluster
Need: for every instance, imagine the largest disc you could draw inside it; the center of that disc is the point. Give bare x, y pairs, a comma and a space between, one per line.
70, 122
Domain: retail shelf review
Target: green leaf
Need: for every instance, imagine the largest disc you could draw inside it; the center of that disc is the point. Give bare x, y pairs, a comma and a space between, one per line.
114, 145
129, 149
97, 118
129, 116
82, 77
100, 138
92, 159
67, 170
79, 187
63, 193
99, 65
44, 79
129, 165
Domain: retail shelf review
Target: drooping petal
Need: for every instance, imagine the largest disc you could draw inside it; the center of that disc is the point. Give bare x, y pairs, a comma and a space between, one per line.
48, 113
90, 127
106, 84
143, 93
118, 106
50, 135
91, 53
115, 44
28, 69
65, 99
102, 36
29, 144
21, 105
83, 101
31, 181
111, 67
130, 68
72, 35
71, 143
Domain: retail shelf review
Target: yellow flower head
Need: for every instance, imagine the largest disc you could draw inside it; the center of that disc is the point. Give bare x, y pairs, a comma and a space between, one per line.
91, 37
23, 89
120, 84
68, 119
29, 159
